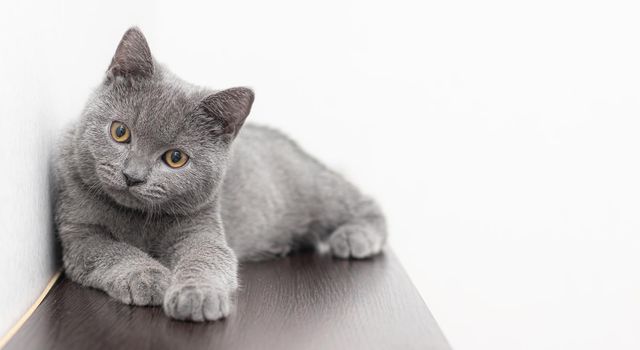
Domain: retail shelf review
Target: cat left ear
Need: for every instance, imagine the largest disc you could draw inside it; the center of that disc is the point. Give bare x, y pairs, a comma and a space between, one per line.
229, 109
132, 57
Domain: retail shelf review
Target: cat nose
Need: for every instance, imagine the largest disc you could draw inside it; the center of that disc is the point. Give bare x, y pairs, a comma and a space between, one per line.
133, 179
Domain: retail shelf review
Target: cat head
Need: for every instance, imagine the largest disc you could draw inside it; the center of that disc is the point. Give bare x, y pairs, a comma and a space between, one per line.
153, 142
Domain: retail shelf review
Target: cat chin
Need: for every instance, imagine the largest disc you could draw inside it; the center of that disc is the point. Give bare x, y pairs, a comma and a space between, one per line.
123, 195
125, 198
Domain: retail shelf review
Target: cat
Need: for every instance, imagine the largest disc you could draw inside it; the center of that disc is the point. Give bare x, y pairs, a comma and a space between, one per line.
160, 193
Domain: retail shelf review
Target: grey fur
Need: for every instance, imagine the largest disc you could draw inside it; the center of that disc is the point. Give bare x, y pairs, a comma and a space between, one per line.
176, 238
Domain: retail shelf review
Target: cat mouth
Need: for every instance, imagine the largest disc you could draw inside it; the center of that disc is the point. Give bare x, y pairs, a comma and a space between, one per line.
123, 195
132, 192
146, 196
137, 197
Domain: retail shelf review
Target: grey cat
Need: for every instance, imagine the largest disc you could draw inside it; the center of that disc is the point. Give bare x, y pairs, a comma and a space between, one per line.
159, 193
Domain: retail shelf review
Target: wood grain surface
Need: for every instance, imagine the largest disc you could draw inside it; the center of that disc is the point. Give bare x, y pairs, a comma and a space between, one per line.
307, 301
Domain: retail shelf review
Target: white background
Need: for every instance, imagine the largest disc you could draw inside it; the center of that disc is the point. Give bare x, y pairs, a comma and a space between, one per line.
501, 137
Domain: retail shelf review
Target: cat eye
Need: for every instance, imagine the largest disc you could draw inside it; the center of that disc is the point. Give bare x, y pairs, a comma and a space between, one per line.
175, 158
120, 132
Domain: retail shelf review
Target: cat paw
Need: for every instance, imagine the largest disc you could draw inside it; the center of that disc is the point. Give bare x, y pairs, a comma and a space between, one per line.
355, 241
198, 302
145, 286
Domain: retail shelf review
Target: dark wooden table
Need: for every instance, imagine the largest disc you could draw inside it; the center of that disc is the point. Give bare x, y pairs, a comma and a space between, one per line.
306, 301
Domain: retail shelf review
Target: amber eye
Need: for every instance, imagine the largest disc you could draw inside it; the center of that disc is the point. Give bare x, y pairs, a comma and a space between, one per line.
120, 132
175, 158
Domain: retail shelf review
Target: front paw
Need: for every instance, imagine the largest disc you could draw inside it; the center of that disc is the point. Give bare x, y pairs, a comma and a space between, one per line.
142, 286
198, 301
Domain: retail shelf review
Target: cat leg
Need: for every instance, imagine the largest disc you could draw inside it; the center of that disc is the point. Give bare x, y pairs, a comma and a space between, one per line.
204, 273
123, 271
363, 234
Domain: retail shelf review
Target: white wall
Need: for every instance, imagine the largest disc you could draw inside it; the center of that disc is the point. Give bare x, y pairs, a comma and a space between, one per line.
49, 59
501, 138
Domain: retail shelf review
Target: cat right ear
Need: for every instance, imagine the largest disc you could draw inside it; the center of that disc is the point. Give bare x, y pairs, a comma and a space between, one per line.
227, 110
132, 58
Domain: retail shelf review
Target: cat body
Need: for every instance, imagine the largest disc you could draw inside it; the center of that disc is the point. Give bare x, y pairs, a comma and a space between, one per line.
161, 190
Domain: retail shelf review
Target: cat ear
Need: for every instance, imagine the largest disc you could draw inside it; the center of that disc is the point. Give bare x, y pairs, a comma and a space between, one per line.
132, 57
228, 109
